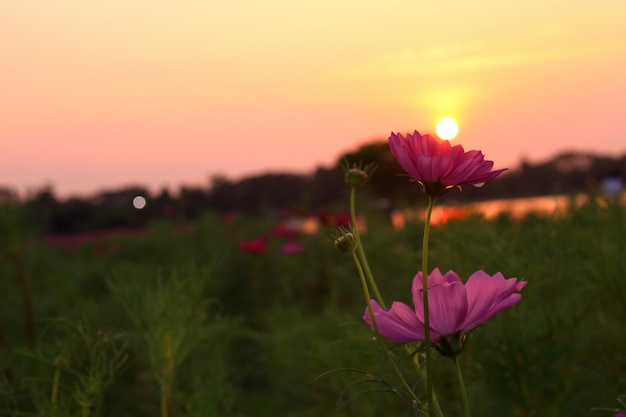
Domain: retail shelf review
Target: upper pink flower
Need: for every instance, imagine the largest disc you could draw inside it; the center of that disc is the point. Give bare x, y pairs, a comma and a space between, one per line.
437, 165
454, 308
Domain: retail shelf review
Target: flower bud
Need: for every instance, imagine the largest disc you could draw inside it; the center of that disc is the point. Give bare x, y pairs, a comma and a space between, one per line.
355, 177
345, 242
358, 175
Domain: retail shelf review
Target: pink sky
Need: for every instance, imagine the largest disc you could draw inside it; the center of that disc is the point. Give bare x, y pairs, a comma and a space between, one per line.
96, 95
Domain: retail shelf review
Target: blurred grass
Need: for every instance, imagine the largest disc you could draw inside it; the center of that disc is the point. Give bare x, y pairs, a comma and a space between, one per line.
271, 324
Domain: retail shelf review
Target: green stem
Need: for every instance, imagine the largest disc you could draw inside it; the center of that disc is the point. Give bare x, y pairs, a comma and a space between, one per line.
436, 405
55, 388
379, 338
166, 391
359, 248
85, 411
459, 376
166, 403
429, 376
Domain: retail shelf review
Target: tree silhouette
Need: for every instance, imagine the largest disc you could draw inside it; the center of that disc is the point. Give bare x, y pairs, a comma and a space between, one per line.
568, 172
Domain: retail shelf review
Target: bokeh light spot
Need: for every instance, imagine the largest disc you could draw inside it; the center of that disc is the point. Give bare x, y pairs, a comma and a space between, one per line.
139, 202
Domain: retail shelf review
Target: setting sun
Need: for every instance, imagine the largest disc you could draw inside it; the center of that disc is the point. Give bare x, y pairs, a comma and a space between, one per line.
174, 78
447, 128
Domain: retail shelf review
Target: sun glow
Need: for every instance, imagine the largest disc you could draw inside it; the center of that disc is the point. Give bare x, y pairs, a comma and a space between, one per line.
447, 128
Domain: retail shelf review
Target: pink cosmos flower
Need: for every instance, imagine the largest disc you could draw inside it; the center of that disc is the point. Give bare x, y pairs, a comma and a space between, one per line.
454, 309
437, 165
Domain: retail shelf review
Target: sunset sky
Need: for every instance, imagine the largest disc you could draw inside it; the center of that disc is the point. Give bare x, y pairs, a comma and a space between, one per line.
99, 94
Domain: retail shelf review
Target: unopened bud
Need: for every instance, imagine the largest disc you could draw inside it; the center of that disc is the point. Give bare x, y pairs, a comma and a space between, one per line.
356, 177
345, 242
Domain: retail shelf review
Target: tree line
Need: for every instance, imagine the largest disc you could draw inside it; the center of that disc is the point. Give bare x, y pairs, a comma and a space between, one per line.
323, 189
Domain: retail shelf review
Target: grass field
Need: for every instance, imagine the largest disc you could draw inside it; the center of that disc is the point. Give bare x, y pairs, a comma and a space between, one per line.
179, 321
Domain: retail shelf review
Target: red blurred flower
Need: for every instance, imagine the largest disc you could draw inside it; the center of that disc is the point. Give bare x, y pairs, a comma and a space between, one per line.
75, 241
437, 165
255, 246
339, 218
454, 308
284, 230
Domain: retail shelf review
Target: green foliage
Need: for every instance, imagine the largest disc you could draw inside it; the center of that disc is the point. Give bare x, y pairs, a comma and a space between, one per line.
78, 364
227, 333
170, 314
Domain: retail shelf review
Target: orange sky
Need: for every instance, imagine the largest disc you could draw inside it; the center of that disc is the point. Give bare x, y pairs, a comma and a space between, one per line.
99, 94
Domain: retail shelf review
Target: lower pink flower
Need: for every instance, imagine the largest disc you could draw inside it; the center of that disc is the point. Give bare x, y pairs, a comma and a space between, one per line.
454, 309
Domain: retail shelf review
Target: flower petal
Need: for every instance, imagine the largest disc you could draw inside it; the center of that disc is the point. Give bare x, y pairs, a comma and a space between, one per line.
435, 277
447, 305
488, 295
400, 149
398, 323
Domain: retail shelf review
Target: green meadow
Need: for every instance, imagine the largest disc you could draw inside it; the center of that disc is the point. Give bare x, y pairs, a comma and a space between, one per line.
179, 321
